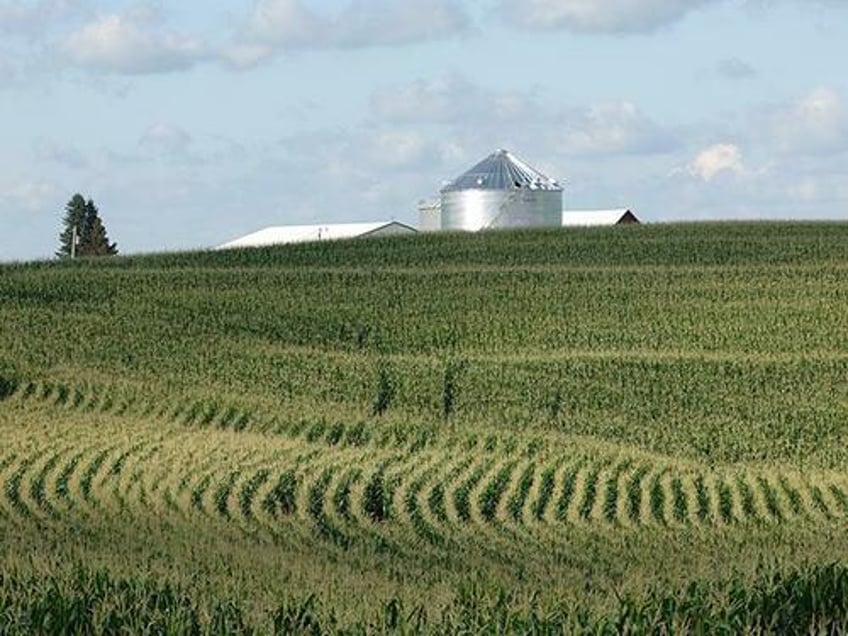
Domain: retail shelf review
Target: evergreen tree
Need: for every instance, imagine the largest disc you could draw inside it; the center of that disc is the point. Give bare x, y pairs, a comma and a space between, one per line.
82, 217
93, 240
75, 213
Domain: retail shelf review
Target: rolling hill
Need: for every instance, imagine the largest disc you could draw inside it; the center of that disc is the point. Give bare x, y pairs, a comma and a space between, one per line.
518, 430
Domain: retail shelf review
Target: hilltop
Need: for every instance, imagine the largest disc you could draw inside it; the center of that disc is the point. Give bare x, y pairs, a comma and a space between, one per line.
658, 336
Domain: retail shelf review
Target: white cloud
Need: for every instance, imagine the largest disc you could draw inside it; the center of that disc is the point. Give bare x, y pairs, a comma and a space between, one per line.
517, 118
27, 19
451, 99
815, 124
619, 16
133, 43
437, 100
289, 24
285, 22
368, 152
245, 56
166, 139
27, 194
14, 19
615, 128
400, 148
26, 30
716, 160
600, 16
403, 148
397, 22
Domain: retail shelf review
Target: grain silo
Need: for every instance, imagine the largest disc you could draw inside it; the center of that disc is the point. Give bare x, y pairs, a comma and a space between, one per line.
430, 216
499, 192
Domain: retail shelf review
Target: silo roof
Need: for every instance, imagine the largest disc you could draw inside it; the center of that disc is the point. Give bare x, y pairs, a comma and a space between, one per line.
502, 170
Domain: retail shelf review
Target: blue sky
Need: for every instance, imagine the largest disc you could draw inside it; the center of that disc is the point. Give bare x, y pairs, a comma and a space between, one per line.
192, 123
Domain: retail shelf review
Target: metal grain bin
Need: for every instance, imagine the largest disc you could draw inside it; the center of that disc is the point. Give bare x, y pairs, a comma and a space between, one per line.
499, 192
430, 216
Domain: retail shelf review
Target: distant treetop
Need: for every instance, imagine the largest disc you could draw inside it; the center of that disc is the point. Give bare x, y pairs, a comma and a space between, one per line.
83, 232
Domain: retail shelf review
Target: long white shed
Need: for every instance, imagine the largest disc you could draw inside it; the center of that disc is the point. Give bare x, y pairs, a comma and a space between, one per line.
577, 218
283, 234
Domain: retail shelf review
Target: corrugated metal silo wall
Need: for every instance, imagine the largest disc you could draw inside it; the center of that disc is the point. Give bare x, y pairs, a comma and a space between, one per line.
429, 218
474, 210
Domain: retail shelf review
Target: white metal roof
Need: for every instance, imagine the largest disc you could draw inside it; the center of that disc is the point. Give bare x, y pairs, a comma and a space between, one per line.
282, 234
502, 170
593, 217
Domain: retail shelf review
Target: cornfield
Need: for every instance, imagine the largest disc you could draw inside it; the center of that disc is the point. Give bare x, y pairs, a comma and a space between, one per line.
629, 429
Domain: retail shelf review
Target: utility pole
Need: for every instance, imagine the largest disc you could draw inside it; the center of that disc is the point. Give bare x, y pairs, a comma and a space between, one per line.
74, 241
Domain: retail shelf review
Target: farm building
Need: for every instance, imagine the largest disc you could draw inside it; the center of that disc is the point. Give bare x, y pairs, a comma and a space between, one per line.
501, 191
283, 234
576, 218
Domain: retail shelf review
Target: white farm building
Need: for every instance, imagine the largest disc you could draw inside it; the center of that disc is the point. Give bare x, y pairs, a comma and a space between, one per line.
590, 218
284, 234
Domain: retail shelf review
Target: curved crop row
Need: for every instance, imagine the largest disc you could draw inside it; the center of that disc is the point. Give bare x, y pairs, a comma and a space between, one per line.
401, 501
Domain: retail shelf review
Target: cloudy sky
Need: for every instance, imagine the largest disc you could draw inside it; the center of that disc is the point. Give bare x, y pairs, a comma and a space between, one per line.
192, 123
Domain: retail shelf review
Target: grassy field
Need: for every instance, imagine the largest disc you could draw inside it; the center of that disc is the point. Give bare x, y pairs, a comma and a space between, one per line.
580, 430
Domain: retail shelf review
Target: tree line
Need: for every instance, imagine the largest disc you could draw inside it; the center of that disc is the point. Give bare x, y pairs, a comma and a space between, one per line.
83, 232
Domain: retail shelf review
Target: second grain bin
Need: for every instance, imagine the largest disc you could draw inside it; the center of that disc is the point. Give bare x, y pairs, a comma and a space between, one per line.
502, 191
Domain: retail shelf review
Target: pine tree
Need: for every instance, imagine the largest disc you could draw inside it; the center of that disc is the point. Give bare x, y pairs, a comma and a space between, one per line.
75, 213
93, 240
83, 218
